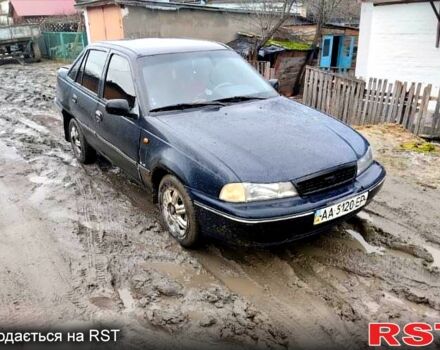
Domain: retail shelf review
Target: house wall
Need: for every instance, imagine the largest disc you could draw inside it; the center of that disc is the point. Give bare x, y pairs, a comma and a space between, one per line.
397, 42
140, 22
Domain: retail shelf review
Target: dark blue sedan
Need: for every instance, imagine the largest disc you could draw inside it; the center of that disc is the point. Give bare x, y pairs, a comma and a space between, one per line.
223, 153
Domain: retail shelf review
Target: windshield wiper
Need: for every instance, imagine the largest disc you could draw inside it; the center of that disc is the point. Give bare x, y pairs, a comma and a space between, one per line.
240, 99
187, 106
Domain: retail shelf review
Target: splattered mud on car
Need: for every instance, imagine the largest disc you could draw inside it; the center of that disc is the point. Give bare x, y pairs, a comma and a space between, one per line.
82, 245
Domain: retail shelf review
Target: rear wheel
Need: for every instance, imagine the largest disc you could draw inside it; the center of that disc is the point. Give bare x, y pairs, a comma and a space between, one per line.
81, 149
177, 212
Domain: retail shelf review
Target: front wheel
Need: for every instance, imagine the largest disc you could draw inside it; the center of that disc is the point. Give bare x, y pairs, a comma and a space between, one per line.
177, 212
81, 149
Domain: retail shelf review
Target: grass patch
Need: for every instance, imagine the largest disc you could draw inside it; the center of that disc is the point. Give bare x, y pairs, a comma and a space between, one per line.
418, 146
290, 45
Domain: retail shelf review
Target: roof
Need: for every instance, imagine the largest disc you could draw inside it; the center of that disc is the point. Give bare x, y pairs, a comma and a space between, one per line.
156, 46
27, 8
173, 6
395, 2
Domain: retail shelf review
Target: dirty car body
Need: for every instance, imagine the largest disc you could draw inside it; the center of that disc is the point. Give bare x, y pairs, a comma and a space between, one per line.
254, 167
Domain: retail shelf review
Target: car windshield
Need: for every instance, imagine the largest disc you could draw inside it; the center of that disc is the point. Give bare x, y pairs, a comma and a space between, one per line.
194, 78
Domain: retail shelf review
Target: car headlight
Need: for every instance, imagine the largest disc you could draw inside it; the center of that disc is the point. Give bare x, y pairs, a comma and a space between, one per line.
248, 192
365, 162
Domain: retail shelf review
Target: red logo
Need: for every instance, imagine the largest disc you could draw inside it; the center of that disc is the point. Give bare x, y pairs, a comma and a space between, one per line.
415, 334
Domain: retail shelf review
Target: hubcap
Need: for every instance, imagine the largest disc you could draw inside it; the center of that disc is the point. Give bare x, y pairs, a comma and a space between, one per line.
174, 212
76, 142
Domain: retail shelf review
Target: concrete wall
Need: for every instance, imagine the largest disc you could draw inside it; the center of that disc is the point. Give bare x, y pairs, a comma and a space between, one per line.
397, 42
139, 22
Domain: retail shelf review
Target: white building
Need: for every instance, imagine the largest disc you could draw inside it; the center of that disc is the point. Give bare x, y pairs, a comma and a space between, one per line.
5, 13
399, 40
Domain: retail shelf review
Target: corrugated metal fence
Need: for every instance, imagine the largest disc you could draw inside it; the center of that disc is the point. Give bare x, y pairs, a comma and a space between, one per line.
64, 45
357, 102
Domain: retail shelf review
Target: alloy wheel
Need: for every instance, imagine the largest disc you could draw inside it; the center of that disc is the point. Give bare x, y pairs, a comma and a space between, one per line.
76, 141
174, 212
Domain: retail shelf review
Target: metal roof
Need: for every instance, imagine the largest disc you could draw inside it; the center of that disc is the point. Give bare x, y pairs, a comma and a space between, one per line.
156, 46
27, 8
170, 6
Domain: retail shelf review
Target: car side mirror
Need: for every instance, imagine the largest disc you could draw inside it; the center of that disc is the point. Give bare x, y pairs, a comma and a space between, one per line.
275, 84
118, 107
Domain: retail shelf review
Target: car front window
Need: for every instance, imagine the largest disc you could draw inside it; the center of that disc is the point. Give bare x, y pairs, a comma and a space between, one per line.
198, 77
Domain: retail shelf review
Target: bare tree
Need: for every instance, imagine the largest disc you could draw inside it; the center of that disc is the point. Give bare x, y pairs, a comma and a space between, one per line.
267, 17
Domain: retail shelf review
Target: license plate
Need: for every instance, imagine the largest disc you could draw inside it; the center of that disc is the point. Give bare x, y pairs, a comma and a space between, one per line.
340, 209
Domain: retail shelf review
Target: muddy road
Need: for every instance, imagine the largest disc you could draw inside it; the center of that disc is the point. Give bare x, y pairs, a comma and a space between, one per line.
82, 246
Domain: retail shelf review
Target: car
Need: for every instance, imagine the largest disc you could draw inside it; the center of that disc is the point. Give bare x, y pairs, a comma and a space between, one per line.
222, 152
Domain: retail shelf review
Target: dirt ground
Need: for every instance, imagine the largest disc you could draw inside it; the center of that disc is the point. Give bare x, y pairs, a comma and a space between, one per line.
81, 246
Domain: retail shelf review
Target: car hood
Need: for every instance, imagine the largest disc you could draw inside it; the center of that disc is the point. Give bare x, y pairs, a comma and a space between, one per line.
269, 140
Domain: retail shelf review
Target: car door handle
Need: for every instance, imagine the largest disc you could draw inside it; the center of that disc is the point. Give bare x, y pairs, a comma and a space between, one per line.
98, 116
74, 99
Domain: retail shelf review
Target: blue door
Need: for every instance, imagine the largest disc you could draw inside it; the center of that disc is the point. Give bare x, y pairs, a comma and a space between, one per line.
326, 52
345, 53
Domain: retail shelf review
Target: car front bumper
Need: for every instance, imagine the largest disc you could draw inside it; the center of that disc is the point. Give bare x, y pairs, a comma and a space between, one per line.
279, 221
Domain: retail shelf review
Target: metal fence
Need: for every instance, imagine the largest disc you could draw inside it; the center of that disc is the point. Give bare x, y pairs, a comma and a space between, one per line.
357, 102
64, 46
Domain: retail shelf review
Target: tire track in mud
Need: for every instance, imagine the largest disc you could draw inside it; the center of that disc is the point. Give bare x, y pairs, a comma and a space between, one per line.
272, 283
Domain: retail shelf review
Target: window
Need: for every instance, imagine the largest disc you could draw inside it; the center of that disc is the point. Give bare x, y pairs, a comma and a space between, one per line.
202, 76
79, 76
93, 70
119, 81
326, 49
75, 68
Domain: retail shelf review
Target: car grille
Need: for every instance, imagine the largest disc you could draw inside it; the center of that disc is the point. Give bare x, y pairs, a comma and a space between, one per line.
326, 181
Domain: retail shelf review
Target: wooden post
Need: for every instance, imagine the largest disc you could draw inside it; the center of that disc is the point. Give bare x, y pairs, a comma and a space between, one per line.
435, 128
306, 87
366, 101
315, 88
408, 105
399, 116
414, 107
374, 116
423, 110
394, 101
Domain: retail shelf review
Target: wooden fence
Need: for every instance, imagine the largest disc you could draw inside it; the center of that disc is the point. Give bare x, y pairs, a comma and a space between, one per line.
264, 69
357, 102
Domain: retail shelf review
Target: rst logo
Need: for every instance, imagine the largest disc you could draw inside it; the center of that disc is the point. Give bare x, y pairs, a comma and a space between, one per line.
415, 334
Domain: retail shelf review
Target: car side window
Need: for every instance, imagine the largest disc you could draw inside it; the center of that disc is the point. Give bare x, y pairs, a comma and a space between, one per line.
93, 70
119, 81
75, 68
80, 74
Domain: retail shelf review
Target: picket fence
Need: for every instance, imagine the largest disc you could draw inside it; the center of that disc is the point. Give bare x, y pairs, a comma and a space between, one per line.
264, 68
357, 102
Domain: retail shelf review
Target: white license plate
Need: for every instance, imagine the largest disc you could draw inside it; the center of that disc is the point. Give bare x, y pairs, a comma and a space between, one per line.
340, 209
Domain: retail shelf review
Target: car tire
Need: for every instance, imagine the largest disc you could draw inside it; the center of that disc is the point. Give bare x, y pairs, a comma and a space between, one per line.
81, 149
177, 212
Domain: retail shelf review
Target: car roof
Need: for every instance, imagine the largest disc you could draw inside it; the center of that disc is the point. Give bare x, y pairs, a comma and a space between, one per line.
156, 46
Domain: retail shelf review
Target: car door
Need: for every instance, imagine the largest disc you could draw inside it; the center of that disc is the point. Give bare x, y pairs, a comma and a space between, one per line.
121, 134
84, 97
